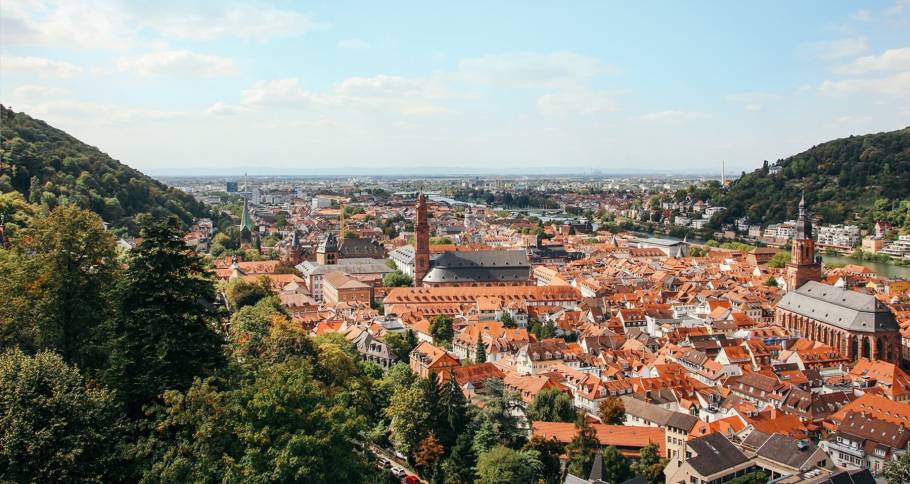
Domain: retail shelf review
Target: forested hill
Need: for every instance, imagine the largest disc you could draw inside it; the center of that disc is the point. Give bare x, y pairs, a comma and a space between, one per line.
842, 180
51, 167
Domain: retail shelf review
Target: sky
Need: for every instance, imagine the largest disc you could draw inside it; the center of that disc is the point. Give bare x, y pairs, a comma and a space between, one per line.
506, 87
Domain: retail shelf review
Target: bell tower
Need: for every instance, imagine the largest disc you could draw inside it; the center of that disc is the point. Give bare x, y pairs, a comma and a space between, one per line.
803, 266
421, 242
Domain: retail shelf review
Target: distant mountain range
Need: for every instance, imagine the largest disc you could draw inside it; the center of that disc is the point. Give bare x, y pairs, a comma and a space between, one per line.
854, 180
49, 166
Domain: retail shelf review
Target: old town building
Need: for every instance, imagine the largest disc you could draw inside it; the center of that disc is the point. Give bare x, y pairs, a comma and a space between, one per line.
856, 324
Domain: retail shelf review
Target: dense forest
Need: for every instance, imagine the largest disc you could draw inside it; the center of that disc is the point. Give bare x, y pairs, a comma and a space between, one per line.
859, 179
51, 168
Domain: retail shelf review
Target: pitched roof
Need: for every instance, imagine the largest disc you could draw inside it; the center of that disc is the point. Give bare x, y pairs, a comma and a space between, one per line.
618, 435
784, 450
838, 307
714, 453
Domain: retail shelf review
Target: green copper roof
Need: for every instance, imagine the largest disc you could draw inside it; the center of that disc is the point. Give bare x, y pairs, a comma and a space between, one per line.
245, 221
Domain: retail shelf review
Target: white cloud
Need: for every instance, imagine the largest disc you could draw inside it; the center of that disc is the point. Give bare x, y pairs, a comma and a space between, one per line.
243, 21
352, 44
93, 24
30, 93
178, 63
862, 16
39, 66
559, 70
890, 60
108, 24
386, 93
95, 113
752, 101
673, 117
581, 101
897, 85
830, 50
851, 119
282, 92
899, 9
224, 109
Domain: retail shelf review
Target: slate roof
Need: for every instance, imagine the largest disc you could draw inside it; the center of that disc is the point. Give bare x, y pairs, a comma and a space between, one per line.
479, 266
348, 266
851, 310
858, 476
784, 450
659, 415
714, 454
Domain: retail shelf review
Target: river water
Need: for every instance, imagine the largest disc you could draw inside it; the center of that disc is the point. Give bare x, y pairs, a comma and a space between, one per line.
886, 270
890, 271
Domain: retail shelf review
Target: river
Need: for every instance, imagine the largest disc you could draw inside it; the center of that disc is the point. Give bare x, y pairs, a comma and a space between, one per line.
891, 271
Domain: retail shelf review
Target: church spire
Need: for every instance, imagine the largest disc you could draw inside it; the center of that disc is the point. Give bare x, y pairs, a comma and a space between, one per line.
803, 225
246, 222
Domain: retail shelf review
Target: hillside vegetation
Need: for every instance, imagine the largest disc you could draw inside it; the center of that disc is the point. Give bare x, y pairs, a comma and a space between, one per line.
859, 179
53, 168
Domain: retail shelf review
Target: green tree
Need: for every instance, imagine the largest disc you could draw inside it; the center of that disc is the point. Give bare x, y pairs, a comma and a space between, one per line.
56, 286
396, 279
615, 465
552, 405
898, 470
480, 351
251, 326
441, 329
771, 282
164, 334
400, 344
502, 465
543, 330
409, 415
459, 467
487, 435
650, 464
582, 449
779, 260
55, 426
549, 452
453, 407
507, 320
240, 292
611, 410
277, 423
758, 477
497, 415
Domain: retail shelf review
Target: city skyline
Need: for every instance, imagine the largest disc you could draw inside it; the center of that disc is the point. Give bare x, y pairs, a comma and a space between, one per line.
278, 88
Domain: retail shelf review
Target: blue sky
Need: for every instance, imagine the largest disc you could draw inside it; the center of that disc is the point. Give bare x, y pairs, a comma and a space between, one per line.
445, 87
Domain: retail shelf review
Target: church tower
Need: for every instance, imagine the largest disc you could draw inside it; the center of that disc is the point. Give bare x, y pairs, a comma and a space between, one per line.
246, 226
803, 266
421, 242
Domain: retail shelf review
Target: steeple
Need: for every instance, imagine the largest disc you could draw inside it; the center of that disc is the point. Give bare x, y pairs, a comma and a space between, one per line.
245, 221
804, 266
803, 225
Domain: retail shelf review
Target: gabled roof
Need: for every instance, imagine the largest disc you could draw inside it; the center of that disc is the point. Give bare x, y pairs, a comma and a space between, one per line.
838, 307
714, 453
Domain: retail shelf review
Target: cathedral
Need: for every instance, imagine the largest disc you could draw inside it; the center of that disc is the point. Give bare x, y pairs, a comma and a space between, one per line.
855, 323
464, 268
